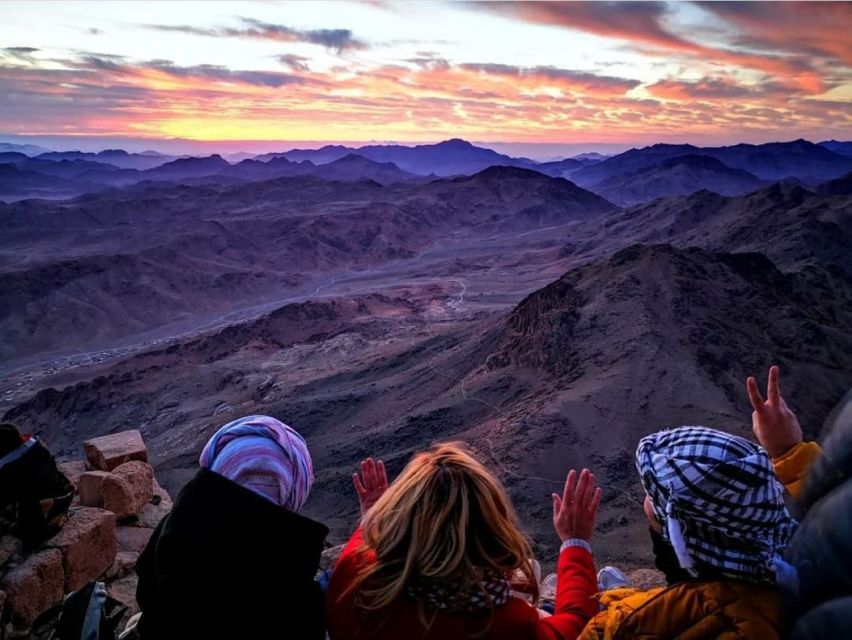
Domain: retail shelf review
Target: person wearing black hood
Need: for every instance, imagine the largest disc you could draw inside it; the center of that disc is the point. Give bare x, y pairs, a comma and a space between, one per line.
820, 604
34, 495
234, 558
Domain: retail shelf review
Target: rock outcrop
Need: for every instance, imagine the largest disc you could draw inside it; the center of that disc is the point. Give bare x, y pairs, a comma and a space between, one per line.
119, 504
108, 452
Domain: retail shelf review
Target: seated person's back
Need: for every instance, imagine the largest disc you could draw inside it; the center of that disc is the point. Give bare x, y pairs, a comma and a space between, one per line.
234, 558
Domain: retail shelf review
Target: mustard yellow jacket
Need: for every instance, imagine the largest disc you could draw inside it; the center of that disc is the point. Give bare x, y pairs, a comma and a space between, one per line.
726, 609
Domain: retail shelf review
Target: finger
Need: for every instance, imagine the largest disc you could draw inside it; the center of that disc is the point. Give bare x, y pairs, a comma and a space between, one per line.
589, 494
754, 394
383, 475
596, 501
580, 491
568, 491
369, 468
582, 483
773, 391
557, 505
359, 488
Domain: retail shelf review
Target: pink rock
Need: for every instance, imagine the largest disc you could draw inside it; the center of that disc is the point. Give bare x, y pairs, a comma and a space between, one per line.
33, 587
108, 452
128, 488
125, 562
73, 470
90, 487
88, 545
163, 495
133, 539
157, 509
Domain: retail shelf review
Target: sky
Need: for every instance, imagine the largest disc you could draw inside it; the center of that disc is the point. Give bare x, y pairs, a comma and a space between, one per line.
607, 75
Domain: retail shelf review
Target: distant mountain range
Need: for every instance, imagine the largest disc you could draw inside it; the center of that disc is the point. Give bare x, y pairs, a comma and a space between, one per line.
800, 159
677, 176
635, 176
200, 248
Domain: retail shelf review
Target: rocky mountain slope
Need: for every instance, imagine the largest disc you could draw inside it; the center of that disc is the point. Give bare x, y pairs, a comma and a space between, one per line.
113, 264
573, 375
678, 176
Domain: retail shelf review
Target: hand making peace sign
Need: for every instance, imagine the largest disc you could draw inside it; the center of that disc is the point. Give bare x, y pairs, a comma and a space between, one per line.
775, 425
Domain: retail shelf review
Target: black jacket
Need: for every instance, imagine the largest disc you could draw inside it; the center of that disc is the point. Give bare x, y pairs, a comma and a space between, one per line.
34, 494
227, 563
821, 550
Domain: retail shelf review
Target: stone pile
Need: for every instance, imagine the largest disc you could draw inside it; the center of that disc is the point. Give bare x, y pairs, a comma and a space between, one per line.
117, 507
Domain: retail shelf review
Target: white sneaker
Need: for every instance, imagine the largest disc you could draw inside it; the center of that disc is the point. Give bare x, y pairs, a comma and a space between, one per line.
611, 578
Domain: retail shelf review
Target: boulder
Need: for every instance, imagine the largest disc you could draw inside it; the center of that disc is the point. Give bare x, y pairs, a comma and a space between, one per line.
133, 539
90, 487
33, 587
156, 509
128, 488
73, 470
125, 563
88, 544
124, 590
108, 452
10, 546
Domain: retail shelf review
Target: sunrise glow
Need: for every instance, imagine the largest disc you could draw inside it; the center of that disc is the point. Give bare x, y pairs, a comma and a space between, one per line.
515, 72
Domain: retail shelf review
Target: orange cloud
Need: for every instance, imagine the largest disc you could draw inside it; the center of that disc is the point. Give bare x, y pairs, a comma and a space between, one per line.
419, 100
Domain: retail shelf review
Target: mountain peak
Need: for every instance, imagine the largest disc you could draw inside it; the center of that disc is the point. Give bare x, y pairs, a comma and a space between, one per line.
455, 142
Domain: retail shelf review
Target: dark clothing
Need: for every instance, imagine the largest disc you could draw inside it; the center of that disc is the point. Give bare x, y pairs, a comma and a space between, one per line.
821, 550
666, 561
34, 495
227, 563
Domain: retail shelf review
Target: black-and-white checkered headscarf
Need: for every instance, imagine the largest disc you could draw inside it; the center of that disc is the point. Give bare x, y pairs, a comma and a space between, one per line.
719, 501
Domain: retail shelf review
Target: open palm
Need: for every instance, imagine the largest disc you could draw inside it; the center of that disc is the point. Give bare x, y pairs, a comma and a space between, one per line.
371, 484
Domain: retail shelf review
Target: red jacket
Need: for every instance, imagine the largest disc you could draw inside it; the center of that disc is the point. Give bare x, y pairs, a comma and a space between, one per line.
515, 620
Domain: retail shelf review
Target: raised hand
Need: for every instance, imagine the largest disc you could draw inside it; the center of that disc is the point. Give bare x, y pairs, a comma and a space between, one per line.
775, 425
372, 483
575, 512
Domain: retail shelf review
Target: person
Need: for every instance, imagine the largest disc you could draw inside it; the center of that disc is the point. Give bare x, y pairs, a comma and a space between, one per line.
234, 558
819, 604
719, 526
436, 552
35, 495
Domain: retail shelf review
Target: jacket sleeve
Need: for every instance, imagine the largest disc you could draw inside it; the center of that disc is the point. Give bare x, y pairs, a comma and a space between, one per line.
792, 468
575, 596
351, 548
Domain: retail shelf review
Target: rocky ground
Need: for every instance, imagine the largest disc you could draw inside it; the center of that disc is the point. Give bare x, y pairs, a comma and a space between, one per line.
116, 508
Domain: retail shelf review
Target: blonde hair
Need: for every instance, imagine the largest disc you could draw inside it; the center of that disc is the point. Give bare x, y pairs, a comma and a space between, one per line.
446, 519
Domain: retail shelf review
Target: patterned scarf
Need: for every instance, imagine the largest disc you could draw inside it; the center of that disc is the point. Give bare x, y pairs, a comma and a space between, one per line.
719, 502
265, 456
493, 591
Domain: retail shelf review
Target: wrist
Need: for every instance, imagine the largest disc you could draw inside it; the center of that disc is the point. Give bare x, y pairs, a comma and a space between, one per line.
782, 450
568, 543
